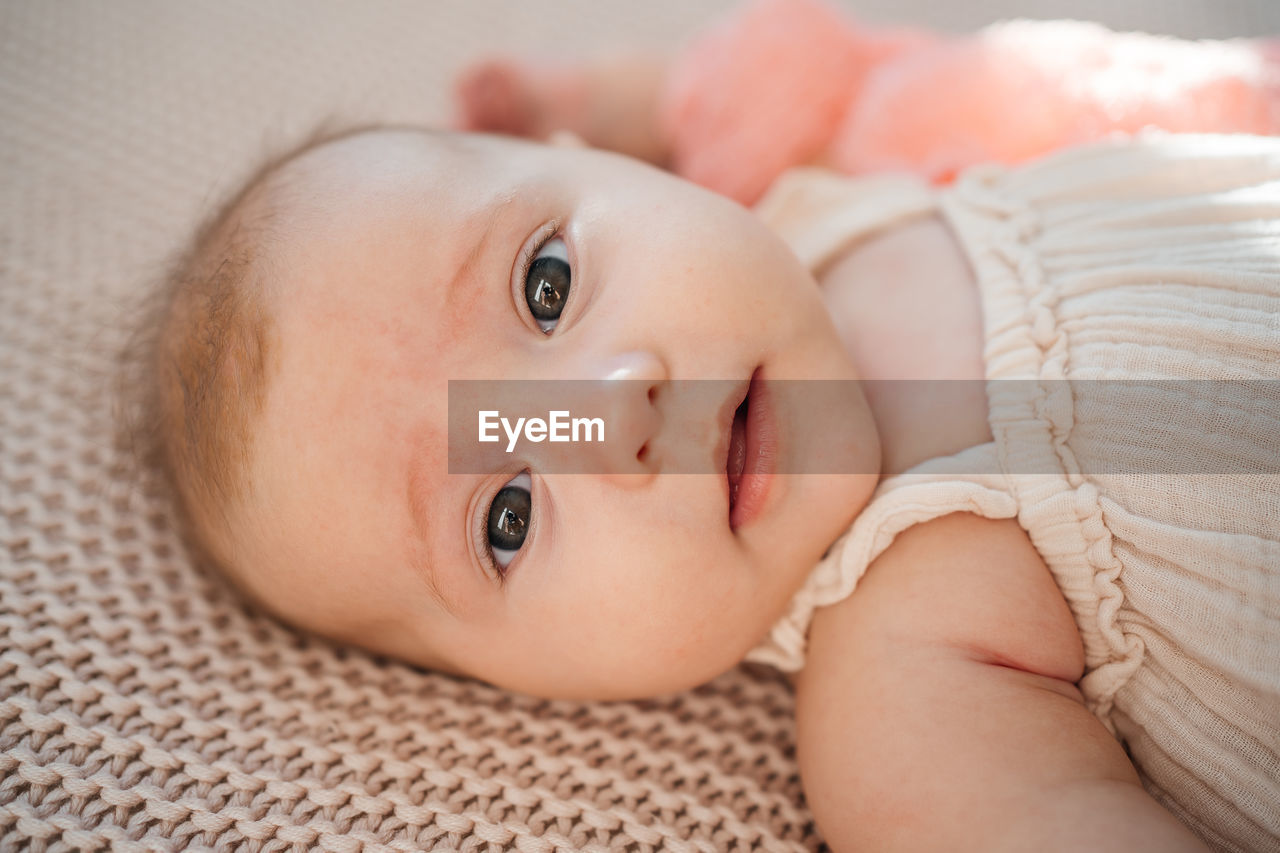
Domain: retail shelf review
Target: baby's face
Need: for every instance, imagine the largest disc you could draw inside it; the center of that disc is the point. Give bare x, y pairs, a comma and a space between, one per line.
400, 272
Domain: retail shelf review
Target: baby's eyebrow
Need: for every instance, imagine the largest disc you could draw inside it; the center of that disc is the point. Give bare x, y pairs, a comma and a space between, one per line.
496, 211
420, 550
462, 288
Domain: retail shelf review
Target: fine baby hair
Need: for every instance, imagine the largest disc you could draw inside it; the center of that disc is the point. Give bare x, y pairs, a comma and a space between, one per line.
196, 367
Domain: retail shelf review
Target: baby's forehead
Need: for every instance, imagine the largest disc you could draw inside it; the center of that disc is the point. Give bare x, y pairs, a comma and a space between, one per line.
379, 155
351, 165
371, 203
360, 218
344, 182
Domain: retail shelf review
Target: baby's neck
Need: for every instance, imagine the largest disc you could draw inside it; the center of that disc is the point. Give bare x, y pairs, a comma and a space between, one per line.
907, 308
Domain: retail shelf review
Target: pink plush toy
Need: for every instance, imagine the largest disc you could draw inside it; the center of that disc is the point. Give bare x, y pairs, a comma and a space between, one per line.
786, 82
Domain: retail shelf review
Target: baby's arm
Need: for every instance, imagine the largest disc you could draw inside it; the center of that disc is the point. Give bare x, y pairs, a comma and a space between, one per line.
759, 91
611, 103
938, 710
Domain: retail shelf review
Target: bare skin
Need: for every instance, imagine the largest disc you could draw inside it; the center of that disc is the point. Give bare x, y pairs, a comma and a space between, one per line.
938, 707
609, 104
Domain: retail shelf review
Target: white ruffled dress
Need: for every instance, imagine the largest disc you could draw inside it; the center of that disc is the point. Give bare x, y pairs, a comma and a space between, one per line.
1157, 258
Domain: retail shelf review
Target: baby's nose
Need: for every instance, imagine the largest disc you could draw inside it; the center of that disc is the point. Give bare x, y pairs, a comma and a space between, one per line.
630, 388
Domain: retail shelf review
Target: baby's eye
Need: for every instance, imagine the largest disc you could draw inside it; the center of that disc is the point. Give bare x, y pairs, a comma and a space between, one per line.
509, 518
547, 283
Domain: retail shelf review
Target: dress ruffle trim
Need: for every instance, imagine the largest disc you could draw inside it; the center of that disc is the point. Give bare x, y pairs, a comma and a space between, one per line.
1025, 341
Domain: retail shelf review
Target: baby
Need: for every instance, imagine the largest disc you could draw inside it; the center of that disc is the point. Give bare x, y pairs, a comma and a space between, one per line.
302, 390
1005, 627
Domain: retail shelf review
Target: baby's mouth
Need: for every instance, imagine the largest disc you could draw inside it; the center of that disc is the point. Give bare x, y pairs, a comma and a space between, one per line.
751, 457
736, 459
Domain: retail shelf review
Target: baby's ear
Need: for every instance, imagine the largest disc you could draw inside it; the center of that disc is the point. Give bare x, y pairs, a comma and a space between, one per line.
566, 139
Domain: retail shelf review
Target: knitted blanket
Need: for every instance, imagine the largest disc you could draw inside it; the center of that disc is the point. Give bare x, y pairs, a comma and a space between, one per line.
143, 706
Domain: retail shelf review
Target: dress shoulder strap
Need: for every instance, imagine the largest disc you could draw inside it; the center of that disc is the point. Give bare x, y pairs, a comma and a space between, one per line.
820, 213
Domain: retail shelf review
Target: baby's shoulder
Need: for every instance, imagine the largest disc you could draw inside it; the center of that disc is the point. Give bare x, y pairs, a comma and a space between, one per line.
938, 705
959, 582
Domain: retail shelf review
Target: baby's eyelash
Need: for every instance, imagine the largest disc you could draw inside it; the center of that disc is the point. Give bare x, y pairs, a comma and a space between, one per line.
480, 530
480, 536
549, 232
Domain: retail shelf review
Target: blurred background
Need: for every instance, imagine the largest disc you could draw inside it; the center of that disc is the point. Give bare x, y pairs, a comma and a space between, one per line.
1187, 18
139, 112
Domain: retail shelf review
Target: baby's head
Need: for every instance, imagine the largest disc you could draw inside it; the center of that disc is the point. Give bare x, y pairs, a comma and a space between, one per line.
301, 386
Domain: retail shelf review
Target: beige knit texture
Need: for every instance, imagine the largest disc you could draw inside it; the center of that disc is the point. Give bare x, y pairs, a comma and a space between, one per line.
142, 706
